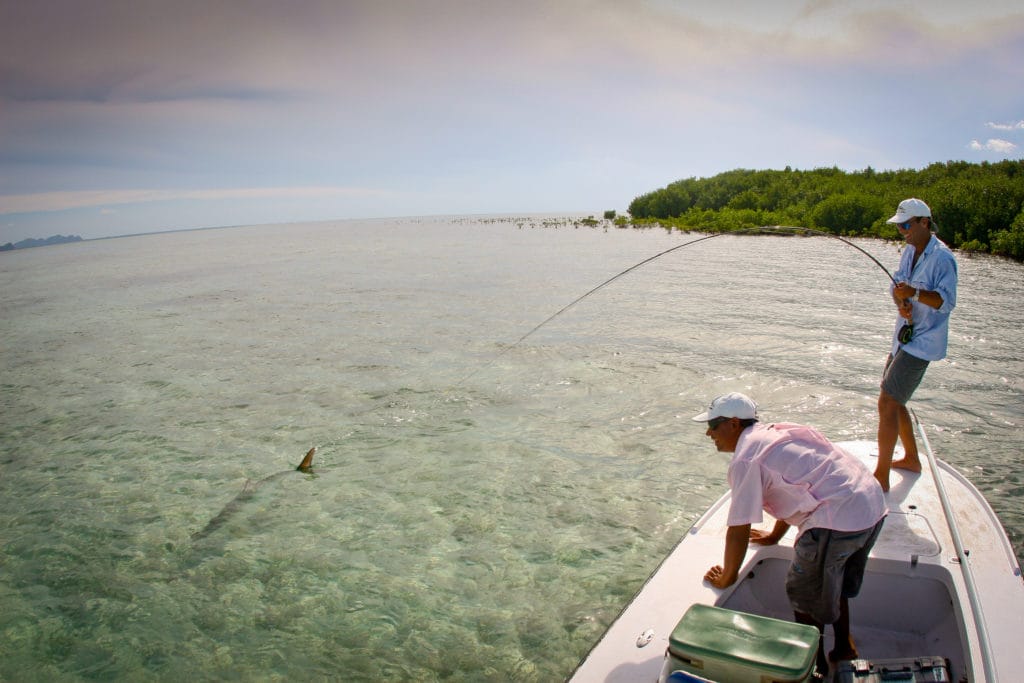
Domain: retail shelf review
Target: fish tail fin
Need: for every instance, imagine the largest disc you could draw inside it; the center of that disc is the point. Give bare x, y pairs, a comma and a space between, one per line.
307, 462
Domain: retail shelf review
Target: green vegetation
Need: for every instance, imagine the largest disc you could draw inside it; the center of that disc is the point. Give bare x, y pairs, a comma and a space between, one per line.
977, 207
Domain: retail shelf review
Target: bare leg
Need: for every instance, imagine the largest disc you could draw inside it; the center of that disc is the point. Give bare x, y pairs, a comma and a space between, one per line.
910, 461
821, 662
888, 432
845, 648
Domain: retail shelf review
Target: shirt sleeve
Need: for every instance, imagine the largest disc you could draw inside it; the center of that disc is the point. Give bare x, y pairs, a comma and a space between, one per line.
746, 506
945, 278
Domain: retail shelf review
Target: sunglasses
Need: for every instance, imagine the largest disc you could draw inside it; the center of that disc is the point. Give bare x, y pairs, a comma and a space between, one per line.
713, 424
905, 226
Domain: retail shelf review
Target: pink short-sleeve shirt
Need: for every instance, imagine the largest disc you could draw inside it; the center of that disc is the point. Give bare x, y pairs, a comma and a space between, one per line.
797, 475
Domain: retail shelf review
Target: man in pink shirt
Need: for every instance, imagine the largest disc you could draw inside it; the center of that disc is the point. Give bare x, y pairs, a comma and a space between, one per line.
801, 479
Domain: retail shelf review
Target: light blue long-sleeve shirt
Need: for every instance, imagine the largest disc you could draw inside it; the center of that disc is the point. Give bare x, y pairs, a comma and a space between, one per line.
936, 271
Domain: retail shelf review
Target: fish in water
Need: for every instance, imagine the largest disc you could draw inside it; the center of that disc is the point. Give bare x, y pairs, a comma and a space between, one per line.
246, 493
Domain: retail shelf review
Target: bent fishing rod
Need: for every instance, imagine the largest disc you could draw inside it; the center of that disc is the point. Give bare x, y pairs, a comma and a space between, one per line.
788, 230
777, 229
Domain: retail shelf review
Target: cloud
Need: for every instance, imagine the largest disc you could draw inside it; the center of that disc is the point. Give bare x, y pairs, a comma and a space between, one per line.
1006, 126
63, 201
315, 102
993, 145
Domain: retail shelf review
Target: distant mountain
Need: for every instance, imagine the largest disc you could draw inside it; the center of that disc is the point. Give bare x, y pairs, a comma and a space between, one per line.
25, 244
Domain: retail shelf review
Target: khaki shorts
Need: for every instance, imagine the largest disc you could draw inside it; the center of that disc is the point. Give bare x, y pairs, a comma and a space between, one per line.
828, 565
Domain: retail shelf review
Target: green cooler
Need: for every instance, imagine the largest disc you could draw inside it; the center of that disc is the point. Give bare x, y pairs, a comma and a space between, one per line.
724, 645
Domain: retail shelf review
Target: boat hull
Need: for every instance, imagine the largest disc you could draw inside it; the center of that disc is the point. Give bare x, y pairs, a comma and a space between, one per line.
915, 600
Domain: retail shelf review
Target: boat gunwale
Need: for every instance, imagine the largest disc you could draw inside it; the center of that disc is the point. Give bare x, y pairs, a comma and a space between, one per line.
935, 566
971, 588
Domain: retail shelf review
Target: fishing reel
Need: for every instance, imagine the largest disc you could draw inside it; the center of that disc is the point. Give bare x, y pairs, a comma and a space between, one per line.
906, 333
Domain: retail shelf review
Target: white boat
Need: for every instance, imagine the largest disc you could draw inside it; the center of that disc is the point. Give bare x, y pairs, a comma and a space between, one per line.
942, 582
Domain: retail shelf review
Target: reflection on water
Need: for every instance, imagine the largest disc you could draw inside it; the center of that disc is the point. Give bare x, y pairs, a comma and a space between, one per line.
477, 512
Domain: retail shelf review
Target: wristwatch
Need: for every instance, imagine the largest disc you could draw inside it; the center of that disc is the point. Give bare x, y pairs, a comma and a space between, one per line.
917, 295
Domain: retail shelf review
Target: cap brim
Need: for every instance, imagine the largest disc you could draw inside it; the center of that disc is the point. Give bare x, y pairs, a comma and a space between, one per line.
703, 417
899, 218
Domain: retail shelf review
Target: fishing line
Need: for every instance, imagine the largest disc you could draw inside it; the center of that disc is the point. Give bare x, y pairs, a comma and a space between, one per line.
906, 332
794, 230
786, 230
746, 231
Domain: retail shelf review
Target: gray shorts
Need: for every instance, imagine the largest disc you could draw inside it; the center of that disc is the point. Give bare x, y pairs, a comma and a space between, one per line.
902, 374
828, 565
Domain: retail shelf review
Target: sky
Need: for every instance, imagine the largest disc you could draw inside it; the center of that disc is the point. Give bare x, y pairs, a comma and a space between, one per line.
150, 115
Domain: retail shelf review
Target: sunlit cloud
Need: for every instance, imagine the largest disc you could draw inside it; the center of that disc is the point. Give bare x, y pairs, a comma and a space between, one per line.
463, 107
1019, 125
993, 145
63, 201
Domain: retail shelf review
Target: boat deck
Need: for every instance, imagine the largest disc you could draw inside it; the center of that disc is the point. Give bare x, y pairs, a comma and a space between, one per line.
913, 602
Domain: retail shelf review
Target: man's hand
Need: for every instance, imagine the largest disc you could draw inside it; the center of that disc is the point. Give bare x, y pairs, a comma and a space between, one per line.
907, 310
758, 537
717, 577
903, 291
901, 295
725, 575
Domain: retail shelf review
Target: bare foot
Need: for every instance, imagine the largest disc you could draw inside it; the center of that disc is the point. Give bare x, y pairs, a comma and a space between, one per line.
909, 464
883, 479
844, 655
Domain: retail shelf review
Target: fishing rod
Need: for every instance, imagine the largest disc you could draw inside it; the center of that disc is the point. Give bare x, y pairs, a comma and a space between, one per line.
795, 229
767, 229
777, 229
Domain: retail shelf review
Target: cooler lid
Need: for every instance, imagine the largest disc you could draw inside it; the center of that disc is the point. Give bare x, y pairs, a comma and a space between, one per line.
784, 649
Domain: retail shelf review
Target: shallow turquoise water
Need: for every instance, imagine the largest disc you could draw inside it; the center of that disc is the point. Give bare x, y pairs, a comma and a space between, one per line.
478, 512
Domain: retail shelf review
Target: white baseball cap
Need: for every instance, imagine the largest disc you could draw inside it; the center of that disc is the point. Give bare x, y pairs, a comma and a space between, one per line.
730, 405
910, 208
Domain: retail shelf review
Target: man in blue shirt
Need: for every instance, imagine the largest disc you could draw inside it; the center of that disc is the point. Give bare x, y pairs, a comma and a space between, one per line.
924, 296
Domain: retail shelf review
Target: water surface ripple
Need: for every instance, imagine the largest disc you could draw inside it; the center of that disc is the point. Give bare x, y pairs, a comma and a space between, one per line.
478, 513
